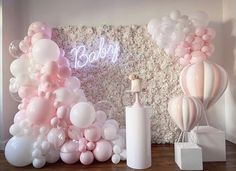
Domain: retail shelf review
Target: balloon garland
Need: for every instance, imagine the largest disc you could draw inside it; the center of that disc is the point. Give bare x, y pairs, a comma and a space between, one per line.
189, 39
55, 120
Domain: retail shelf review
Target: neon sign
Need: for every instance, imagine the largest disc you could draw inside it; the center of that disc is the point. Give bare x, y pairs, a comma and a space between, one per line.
105, 50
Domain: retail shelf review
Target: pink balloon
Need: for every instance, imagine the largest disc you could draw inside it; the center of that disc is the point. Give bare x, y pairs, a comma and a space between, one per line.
62, 61
185, 111
24, 46
90, 146
206, 37
200, 31
189, 39
37, 26
51, 68
69, 153
38, 36
86, 158
197, 56
93, 133
204, 80
75, 133
82, 147
181, 51
197, 44
184, 61
64, 72
27, 91
103, 150
39, 110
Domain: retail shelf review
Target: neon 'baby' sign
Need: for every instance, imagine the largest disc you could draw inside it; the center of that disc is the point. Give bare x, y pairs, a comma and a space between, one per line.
104, 50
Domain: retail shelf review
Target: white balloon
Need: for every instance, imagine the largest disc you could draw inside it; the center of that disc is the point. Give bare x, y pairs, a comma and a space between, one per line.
82, 114
19, 66
174, 15
62, 111
119, 140
72, 83
56, 136
45, 50
199, 19
18, 151
53, 155
113, 122
45, 146
15, 130
123, 155
37, 153
101, 116
116, 149
115, 158
152, 25
64, 95
39, 162
109, 132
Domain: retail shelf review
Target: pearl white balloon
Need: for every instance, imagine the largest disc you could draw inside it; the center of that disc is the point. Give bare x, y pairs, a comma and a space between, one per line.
39, 162
37, 153
123, 155
120, 141
109, 132
174, 15
18, 151
45, 50
113, 122
72, 83
115, 158
116, 149
82, 114
64, 95
15, 130
101, 116
53, 155
19, 66
56, 137
152, 25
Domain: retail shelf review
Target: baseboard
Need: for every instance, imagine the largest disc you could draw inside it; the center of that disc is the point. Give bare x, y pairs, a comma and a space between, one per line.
231, 138
2, 145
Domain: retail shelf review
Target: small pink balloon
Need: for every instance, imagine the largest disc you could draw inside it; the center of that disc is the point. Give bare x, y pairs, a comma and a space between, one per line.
181, 51
205, 49
206, 37
187, 56
37, 26
86, 158
82, 147
64, 72
38, 36
27, 39
69, 153
200, 31
75, 133
103, 150
93, 133
197, 44
197, 57
51, 68
62, 61
83, 141
62, 53
189, 39
184, 61
14, 49
24, 46
91, 146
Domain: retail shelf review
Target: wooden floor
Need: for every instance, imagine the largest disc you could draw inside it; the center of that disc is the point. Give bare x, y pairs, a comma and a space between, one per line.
162, 159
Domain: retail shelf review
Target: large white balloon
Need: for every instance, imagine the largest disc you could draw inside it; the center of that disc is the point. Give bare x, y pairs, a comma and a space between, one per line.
18, 151
82, 114
19, 66
45, 50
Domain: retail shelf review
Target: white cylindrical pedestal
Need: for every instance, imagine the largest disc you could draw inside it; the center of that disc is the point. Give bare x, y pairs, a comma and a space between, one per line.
138, 137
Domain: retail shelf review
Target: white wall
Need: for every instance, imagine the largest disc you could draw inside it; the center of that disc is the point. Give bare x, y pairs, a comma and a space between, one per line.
10, 31
229, 28
97, 12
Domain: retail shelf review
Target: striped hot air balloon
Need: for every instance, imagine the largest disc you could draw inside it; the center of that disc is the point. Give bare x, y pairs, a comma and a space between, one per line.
204, 80
185, 111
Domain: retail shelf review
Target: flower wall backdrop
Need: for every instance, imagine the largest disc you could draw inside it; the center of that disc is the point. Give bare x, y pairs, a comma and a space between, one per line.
105, 80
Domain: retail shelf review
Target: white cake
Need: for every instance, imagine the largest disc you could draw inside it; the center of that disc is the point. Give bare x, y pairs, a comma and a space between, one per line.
136, 85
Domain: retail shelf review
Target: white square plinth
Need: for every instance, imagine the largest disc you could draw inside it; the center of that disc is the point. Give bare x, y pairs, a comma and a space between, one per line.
212, 141
188, 156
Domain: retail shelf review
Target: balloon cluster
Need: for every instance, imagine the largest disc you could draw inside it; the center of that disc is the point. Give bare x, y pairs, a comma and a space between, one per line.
186, 37
202, 81
55, 120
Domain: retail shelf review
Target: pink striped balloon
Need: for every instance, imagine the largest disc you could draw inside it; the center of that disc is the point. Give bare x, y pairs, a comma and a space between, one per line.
204, 80
185, 111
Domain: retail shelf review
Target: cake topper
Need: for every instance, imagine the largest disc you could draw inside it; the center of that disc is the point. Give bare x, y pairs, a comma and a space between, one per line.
136, 88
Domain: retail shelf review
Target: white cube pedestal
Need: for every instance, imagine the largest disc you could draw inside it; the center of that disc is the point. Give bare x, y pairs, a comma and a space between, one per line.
212, 142
188, 156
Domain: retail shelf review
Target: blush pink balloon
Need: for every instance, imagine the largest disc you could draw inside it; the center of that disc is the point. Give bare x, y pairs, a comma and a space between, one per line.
24, 46
204, 80
200, 31
185, 111
69, 152
189, 39
38, 36
86, 158
211, 32
181, 51
197, 44
197, 56
91, 146
184, 61
37, 27
39, 110
103, 150
27, 91
93, 133
64, 72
